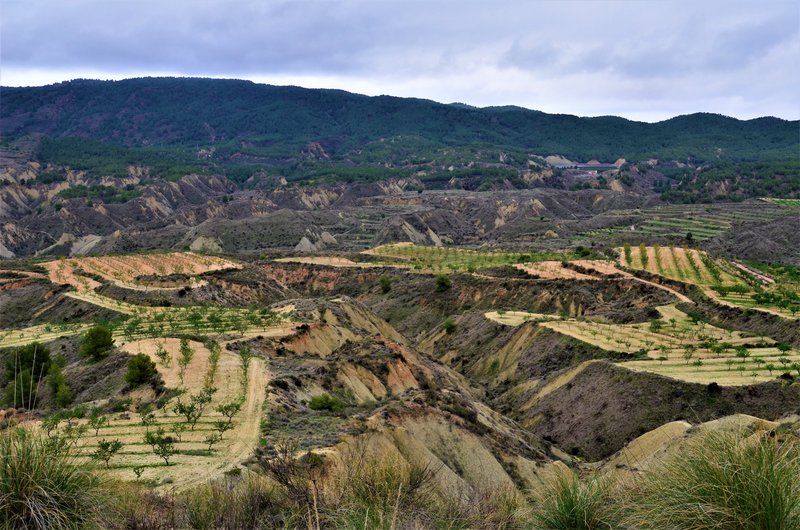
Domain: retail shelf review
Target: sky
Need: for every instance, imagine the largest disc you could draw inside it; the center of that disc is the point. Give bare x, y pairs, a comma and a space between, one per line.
642, 59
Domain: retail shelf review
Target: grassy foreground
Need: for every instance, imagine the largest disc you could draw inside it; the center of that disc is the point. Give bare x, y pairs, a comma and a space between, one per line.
719, 480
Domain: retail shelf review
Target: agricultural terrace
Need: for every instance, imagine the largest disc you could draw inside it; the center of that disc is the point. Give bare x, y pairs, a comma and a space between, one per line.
677, 346
679, 220
552, 270
682, 264
12, 338
125, 271
516, 318
729, 282
334, 261
783, 202
774, 288
428, 258
12, 276
155, 322
198, 442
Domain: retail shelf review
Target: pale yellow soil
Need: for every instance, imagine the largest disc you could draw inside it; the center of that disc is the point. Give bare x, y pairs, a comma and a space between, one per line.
760, 276
123, 270
642, 452
44, 333
332, 261
189, 470
515, 318
555, 384
552, 270
716, 369
608, 268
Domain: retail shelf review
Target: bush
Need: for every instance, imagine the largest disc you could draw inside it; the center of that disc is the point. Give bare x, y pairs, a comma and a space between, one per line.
723, 480
25, 366
326, 402
386, 284
566, 503
449, 326
141, 369
42, 486
442, 283
96, 343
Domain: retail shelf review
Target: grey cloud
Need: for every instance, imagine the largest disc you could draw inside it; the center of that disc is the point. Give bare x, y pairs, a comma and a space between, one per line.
558, 55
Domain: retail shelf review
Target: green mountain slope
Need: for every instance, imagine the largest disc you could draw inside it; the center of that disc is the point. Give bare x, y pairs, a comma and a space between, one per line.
183, 112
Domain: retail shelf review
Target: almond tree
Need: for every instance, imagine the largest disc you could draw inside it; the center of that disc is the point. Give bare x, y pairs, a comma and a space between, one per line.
186, 355
106, 450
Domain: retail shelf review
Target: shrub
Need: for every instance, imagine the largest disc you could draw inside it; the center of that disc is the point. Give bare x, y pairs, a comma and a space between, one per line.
566, 503
42, 486
252, 502
442, 283
25, 366
449, 326
96, 343
141, 369
723, 480
58, 385
385, 283
326, 402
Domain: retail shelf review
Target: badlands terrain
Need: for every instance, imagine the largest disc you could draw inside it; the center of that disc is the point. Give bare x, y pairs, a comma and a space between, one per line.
392, 331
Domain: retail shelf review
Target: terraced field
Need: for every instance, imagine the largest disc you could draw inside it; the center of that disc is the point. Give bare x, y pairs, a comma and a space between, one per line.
126, 270
552, 270
682, 264
676, 346
146, 321
428, 258
679, 220
234, 381
730, 283
783, 202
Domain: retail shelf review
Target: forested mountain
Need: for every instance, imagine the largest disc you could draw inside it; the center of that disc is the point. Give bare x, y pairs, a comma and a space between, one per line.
179, 111
176, 126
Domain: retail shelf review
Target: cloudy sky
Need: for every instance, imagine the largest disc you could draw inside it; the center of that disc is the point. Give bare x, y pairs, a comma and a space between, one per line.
642, 59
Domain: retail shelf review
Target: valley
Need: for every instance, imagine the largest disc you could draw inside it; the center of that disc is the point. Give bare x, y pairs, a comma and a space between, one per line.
348, 318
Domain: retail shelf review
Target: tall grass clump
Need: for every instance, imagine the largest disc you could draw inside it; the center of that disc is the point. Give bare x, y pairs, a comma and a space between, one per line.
567, 503
251, 502
723, 480
378, 493
42, 486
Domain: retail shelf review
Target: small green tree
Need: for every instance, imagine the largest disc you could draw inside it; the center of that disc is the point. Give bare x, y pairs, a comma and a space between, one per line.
186, 355
229, 410
96, 343
449, 326
385, 283
188, 411
221, 426
326, 402
50, 424
141, 370
771, 367
245, 356
97, 421
106, 450
442, 283
643, 255
25, 367
163, 445
212, 439
163, 356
